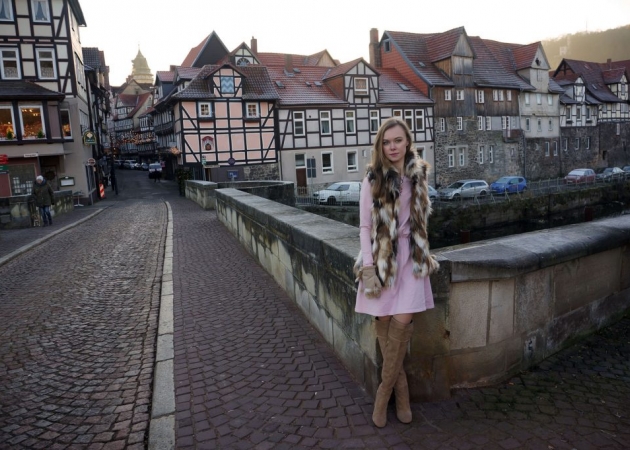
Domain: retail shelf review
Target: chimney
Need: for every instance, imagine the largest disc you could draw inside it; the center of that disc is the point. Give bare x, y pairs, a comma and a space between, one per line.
288, 62
375, 54
254, 45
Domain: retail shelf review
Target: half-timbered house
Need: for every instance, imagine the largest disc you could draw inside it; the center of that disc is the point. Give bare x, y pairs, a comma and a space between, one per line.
43, 96
594, 113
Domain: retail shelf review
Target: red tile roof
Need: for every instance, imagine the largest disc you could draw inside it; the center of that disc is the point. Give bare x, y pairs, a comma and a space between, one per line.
194, 52
301, 88
343, 68
442, 45
391, 91
592, 75
280, 59
613, 75
494, 65
166, 76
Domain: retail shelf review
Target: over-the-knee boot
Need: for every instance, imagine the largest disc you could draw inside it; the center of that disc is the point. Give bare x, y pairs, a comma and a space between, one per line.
401, 388
397, 339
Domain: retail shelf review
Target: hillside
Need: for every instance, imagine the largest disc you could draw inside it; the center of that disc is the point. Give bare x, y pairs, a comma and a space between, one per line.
596, 46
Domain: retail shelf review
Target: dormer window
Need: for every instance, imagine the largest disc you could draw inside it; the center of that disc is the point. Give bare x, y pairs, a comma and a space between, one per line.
242, 62
227, 85
360, 86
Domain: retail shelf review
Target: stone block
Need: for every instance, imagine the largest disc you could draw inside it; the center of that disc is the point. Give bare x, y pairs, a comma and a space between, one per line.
431, 335
501, 310
534, 300
285, 253
302, 298
429, 378
563, 330
349, 352
534, 348
320, 319
482, 366
468, 316
608, 309
584, 280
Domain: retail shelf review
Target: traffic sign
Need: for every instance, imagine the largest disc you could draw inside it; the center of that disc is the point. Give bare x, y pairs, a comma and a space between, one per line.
4, 168
91, 162
4, 159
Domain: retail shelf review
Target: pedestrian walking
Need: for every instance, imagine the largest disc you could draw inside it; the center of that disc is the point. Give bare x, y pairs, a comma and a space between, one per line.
394, 263
44, 198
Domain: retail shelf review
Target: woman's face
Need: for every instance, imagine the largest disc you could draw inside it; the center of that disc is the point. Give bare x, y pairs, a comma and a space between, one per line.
395, 145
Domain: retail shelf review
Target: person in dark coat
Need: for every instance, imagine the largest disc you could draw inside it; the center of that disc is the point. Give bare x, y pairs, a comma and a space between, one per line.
44, 198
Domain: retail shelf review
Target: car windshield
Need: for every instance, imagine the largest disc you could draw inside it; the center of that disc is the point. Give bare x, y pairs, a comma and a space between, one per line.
336, 187
155, 166
577, 172
455, 185
602, 170
503, 180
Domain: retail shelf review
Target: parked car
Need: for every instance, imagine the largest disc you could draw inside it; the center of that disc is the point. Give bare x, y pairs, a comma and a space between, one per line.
340, 192
580, 176
609, 174
433, 194
144, 166
137, 166
155, 170
509, 185
129, 164
464, 189
626, 170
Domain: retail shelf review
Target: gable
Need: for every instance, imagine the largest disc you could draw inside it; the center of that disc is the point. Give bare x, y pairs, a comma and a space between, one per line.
463, 48
540, 60
244, 57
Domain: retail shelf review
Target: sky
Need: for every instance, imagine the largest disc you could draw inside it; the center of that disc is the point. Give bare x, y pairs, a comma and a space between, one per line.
166, 30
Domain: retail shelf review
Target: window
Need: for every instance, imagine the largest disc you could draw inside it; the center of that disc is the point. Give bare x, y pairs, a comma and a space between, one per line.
462, 157
10, 66
549, 99
352, 161
480, 123
491, 154
568, 113
578, 113
32, 123
488, 123
479, 96
495, 95
539, 99
587, 143
546, 148
500, 95
361, 86
409, 118
6, 11
227, 85
509, 96
350, 122
565, 144
324, 122
420, 152
66, 129
7, 129
298, 123
205, 110
527, 126
451, 157
588, 114
481, 152
577, 143
527, 98
46, 63
539, 123
550, 125
398, 113
375, 121
327, 163
505, 123
300, 161
40, 11
460, 123
555, 148
387, 46
447, 95
539, 75
252, 110
419, 119
460, 94
442, 124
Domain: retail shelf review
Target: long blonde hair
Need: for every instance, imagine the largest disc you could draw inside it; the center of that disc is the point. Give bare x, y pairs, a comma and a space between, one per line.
380, 163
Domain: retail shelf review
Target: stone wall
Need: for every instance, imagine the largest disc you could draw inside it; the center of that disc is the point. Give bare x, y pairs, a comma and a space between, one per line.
501, 305
614, 148
203, 192
18, 211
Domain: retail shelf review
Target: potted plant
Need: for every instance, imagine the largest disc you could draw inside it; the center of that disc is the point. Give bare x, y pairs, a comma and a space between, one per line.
10, 135
40, 134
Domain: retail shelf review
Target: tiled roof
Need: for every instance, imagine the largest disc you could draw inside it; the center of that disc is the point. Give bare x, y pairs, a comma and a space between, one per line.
489, 72
524, 54
625, 64
301, 88
141, 100
343, 68
92, 57
442, 45
126, 100
194, 52
165, 76
413, 47
613, 75
186, 73
26, 90
554, 87
256, 84
149, 110
591, 73
391, 90
280, 59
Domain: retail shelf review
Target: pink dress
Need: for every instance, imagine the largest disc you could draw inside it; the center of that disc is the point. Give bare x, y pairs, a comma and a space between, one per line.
408, 294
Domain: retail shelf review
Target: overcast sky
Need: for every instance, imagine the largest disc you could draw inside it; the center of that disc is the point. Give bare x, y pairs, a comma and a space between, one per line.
166, 30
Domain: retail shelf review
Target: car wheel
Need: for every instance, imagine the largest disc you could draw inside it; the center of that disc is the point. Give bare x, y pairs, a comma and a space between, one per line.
331, 200
482, 194
456, 197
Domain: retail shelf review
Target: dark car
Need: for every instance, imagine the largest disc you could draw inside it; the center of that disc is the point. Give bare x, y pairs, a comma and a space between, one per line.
609, 174
580, 176
155, 170
509, 185
626, 169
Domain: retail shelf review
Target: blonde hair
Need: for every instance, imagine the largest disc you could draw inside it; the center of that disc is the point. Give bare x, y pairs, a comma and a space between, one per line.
379, 161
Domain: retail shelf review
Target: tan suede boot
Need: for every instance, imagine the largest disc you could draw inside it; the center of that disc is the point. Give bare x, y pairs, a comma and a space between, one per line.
397, 339
401, 388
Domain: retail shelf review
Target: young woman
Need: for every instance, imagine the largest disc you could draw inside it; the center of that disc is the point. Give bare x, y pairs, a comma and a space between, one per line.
394, 264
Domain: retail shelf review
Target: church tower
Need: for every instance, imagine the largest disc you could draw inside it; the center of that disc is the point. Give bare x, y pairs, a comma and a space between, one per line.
140, 71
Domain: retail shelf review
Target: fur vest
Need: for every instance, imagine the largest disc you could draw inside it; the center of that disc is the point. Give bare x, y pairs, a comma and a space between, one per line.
384, 236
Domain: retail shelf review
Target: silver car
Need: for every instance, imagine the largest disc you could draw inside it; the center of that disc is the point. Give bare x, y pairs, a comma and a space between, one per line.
339, 193
464, 189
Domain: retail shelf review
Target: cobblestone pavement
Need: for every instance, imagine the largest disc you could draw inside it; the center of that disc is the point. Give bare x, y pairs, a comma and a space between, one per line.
250, 371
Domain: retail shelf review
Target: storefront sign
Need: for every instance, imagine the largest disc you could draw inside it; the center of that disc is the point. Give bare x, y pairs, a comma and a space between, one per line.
89, 138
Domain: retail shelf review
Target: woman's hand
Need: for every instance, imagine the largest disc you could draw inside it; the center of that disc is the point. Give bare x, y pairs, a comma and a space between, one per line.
371, 283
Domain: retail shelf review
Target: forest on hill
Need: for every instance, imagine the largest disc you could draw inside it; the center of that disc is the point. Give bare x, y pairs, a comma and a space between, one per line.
597, 46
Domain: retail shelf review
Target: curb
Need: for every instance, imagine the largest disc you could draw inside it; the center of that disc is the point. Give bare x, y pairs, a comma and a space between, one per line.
162, 424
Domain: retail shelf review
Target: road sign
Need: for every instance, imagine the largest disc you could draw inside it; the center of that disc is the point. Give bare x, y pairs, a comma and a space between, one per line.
4, 159
4, 169
91, 161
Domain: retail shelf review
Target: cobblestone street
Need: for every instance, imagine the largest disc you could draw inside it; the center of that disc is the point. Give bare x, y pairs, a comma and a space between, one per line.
78, 326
